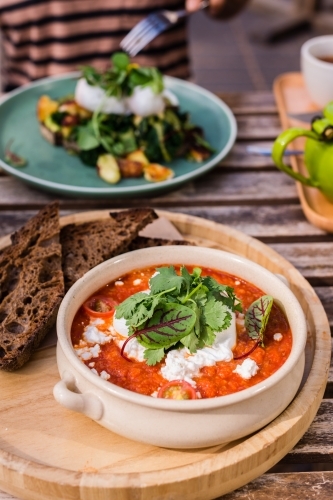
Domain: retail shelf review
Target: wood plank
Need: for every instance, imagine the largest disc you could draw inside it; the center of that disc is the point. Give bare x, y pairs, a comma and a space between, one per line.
317, 443
313, 260
258, 127
242, 103
239, 157
269, 223
242, 188
302, 485
325, 293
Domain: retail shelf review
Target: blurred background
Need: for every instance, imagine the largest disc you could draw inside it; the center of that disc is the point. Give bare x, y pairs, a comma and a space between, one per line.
248, 52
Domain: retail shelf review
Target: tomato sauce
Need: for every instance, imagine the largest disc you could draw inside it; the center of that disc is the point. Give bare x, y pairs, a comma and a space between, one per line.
218, 380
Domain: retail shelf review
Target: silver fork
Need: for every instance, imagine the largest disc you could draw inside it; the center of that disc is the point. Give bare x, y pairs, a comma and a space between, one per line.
150, 27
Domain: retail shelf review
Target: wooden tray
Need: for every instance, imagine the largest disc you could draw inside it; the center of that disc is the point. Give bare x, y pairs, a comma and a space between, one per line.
48, 453
291, 97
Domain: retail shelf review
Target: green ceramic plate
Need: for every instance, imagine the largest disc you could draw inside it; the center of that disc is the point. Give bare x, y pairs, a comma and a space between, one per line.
53, 169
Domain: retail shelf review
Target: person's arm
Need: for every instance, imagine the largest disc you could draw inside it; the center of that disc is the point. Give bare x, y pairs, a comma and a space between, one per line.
223, 9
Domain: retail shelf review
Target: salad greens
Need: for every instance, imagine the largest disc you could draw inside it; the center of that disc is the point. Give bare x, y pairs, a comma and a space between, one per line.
181, 310
122, 77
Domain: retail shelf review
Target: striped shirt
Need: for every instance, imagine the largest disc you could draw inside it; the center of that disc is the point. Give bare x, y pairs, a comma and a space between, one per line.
48, 37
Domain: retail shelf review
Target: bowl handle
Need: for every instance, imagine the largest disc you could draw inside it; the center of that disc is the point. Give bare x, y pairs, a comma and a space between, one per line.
87, 403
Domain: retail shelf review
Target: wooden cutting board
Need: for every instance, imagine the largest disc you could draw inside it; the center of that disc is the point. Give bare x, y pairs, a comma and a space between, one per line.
50, 453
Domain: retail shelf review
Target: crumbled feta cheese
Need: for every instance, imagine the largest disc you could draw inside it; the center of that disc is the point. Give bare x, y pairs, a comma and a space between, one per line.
104, 375
247, 369
119, 283
98, 321
85, 356
137, 282
182, 365
94, 371
278, 337
94, 336
237, 282
95, 350
87, 353
91, 365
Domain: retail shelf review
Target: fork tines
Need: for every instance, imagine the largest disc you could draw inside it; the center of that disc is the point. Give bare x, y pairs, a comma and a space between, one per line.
145, 31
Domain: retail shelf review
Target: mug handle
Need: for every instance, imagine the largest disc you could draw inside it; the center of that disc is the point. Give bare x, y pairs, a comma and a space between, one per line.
279, 147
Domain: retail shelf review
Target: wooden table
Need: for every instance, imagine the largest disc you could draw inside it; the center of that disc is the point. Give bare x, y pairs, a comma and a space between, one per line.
248, 193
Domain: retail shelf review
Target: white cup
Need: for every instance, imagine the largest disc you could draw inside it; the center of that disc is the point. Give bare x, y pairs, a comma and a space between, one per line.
318, 75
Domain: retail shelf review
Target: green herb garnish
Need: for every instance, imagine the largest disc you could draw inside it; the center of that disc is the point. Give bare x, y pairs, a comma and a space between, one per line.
181, 310
122, 77
256, 318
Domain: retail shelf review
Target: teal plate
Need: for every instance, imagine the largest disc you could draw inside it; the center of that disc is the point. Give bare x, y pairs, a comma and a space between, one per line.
52, 169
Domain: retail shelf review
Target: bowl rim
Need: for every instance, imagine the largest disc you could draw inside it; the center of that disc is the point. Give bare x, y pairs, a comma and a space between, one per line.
312, 42
64, 342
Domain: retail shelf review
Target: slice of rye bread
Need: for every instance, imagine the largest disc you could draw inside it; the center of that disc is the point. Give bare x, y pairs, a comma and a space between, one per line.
144, 242
86, 245
31, 287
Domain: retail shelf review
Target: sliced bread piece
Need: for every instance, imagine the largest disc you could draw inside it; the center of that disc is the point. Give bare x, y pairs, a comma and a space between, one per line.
31, 287
144, 242
86, 245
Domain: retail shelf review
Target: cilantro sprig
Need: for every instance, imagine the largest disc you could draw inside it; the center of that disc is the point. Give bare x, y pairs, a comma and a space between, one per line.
181, 310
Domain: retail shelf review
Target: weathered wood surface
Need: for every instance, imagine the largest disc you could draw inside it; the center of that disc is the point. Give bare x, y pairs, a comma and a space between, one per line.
248, 193
229, 188
244, 103
300, 486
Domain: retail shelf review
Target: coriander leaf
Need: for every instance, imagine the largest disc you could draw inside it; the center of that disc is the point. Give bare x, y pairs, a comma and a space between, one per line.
166, 279
217, 315
190, 341
127, 308
187, 278
153, 356
169, 324
207, 336
196, 273
222, 293
256, 317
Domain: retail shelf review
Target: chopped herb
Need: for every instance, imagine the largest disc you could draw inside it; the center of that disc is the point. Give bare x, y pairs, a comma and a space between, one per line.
181, 310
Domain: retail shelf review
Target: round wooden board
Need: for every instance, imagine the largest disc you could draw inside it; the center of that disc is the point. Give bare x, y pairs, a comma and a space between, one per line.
47, 452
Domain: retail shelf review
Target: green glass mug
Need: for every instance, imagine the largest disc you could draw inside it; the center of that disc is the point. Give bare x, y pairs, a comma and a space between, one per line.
318, 153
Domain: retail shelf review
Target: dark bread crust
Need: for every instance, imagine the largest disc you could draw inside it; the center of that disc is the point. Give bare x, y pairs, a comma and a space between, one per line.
31, 287
144, 242
86, 245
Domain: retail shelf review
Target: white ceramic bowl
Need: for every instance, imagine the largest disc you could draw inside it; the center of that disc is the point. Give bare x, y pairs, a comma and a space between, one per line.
172, 423
318, 75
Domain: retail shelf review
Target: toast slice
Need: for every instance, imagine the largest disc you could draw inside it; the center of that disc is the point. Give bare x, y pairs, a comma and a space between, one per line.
86, 245
144, 242
31, 287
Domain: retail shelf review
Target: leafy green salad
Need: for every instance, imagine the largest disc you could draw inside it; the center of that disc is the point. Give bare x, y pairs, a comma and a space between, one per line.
126, 113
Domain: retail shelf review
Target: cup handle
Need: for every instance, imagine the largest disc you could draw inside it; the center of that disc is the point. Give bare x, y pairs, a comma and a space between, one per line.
279, 146
87, 403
